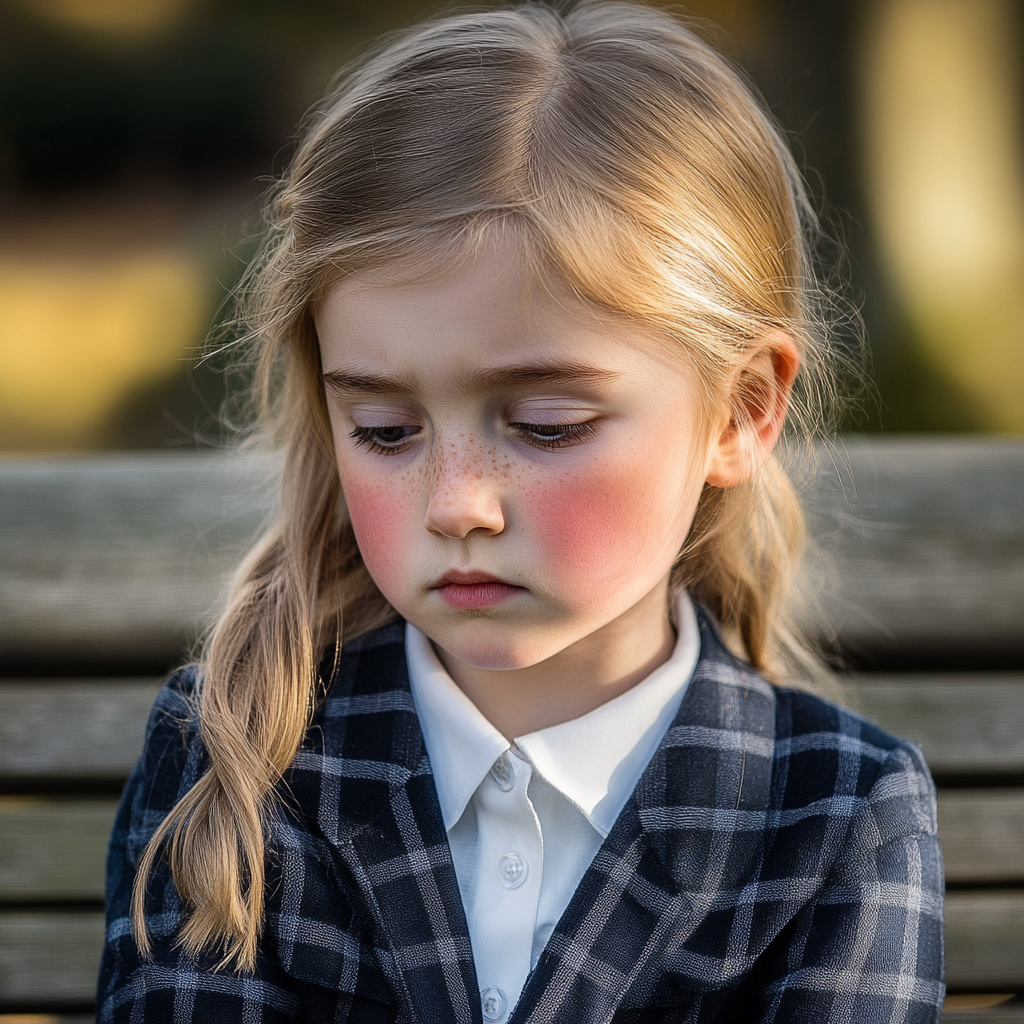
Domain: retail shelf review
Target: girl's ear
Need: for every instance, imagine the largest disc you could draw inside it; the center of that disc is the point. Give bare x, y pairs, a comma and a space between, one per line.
756, 411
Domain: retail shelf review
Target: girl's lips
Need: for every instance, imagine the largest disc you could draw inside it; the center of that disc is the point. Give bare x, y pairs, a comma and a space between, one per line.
476, 595
473, 590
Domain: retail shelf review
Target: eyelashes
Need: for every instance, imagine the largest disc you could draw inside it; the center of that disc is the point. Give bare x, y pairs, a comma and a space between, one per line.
395, 439
554, 435
388, 440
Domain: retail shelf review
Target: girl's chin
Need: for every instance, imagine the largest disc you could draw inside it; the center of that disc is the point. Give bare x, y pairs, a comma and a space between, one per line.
491, 660
494, 650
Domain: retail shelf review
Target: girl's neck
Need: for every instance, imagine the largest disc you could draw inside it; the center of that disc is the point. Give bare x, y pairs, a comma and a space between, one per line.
591, 672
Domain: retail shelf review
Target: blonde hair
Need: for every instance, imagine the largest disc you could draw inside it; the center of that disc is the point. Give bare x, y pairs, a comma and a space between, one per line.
635, 163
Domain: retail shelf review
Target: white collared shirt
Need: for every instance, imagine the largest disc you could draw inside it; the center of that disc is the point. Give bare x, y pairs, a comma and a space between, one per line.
524, 820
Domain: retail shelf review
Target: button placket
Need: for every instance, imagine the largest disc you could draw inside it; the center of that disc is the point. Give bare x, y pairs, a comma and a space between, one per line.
503, 772
512, 870
509, 867
493, 1004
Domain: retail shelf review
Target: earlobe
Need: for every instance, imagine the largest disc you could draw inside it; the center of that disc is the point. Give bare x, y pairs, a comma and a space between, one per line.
756, 411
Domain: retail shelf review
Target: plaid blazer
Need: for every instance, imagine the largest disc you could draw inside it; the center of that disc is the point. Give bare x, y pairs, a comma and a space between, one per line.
777, 862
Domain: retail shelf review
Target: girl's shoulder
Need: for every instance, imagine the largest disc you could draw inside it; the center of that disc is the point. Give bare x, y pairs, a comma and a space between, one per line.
178, 697
829, 755
806, 721
373, 663
368, 675
803, 714
819, 749
174, 717
171, 762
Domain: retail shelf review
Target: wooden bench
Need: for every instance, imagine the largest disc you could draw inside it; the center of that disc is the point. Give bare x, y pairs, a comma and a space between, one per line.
108, 564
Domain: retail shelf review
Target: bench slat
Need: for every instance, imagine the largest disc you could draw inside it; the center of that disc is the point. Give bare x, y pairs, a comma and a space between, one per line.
964, 724
53, 849
1008, 1015
985, 939
50, 1018
73, 727
923, 543
33, 942
984, 947
121, 556
982, 834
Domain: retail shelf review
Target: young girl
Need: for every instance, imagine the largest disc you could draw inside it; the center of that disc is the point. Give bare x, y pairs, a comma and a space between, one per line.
491, 729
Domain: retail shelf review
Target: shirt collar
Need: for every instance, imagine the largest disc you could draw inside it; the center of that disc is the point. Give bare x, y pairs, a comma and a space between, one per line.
461, 743
594, 761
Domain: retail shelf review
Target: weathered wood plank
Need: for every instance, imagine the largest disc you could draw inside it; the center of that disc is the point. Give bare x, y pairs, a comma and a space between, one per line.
984, 945
982, 834
32, 943
922, 542
963, 723
1005, 1015
73, 727
122, 556
985, 939
53, 849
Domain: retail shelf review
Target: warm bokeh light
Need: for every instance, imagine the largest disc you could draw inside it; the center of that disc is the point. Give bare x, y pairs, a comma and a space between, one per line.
971, 1001
945, 175
128, 18
76, 339
152, 126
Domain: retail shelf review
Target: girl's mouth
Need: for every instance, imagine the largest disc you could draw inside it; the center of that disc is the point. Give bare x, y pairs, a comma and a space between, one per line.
468, 590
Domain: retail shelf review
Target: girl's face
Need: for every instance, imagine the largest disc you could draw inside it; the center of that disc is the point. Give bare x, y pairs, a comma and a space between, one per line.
520, 471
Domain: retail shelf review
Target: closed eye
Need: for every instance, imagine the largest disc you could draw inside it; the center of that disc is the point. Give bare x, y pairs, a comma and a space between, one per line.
554, 435
386, 440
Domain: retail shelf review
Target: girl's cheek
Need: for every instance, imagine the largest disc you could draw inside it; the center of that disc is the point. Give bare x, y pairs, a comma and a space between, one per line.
606, 528
381, 521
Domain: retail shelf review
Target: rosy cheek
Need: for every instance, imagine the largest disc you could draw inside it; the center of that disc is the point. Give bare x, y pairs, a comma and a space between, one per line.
604, 529
381, 520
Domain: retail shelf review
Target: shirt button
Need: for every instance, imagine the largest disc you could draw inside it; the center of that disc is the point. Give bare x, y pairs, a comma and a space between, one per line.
503, 773
493, 1003
512, 870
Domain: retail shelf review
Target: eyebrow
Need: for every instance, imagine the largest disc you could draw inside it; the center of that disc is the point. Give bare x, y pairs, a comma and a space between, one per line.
547, 374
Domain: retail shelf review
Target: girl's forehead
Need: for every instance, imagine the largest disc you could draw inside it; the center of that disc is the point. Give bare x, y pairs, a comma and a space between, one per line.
485, 321
494, 284
498, 277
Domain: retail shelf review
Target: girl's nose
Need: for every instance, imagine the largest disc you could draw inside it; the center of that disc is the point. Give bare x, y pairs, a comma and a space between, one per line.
463, 498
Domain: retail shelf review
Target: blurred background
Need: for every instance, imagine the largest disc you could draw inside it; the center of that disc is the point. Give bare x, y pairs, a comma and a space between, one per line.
136, 140
137, 136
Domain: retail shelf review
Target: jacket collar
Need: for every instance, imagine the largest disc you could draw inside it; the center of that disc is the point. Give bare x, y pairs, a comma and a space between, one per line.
686, 839
685, 843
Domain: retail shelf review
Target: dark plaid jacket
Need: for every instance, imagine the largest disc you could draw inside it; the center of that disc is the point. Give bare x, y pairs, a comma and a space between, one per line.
777, 862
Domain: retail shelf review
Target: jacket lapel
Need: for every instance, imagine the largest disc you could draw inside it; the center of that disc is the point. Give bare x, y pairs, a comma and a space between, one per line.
664, 893
378, 806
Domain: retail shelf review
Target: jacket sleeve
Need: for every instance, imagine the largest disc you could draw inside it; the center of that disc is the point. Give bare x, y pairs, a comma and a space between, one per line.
171, 986
869, 946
